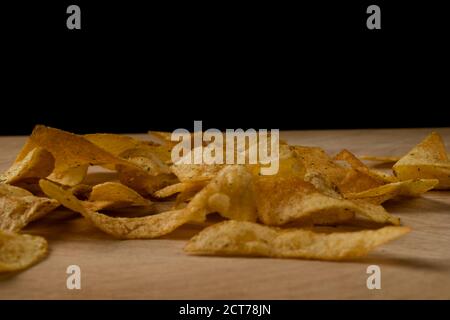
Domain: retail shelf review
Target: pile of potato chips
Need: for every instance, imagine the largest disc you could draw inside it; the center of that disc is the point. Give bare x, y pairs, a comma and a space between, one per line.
296, 213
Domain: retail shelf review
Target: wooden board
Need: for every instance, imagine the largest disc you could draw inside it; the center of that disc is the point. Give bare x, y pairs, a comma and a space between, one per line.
416, 266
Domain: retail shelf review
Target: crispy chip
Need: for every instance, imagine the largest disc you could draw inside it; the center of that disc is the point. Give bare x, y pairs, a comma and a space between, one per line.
38, 163
382, 159
7, 190
231, 194
181, 187
154, 174
358, 165
20, 251
251, 239
113, 195
18, 207
72, 153
408, 188
126, 148
283, 200
124, 228
427, 160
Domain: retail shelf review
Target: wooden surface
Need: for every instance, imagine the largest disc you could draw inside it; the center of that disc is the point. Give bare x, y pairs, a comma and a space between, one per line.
415, 266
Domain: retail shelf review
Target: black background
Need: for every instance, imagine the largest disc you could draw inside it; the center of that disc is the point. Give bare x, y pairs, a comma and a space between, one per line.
134, 66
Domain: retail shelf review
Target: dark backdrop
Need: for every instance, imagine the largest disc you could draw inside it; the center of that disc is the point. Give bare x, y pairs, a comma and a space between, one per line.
134, 67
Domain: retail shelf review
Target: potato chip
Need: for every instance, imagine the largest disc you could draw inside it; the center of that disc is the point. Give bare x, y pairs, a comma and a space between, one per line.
163, 137
20, 251
154, 173
18, 208
283, 200
408, 188
113, 195
250, 239
195, 172
382, 159
7, 190
191, 186
125, 228
231, 194
114, 143
427, 160
38, 163
358, 165
72, 153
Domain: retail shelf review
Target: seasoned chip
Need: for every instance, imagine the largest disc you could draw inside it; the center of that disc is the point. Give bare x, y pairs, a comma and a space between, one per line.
72, 153
181, 187
382, 159
427, 160
7, 190
124, 228
283, 200
409, 188
358, 165
154, 173
251, 239
20, 251
113, 195
19, 207
38, 163
231, 193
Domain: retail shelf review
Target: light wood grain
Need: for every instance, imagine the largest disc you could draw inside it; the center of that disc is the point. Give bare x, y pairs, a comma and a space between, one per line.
416, 266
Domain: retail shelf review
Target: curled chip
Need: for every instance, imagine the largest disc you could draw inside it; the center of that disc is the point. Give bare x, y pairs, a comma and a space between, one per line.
20, 251
408, 188
181, 187
231, 193
113, 195
251, 239
72, 153
358, 165
427, 160
38, 163
283, 200
124, 228
382, 159
317, 162
19, 207
154, 173
117, 145
196, 172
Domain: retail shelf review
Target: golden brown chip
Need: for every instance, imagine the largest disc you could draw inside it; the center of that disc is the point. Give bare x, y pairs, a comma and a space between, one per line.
191, 186
382, 159
20, 251
196, 172
7, 190
284, 200
72, 153
114, 143
18, 207
38, 163
231, 194
408, 188
358, 165
125, 228
113, 195
427, 160
241, 238
164, 137
154, 173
